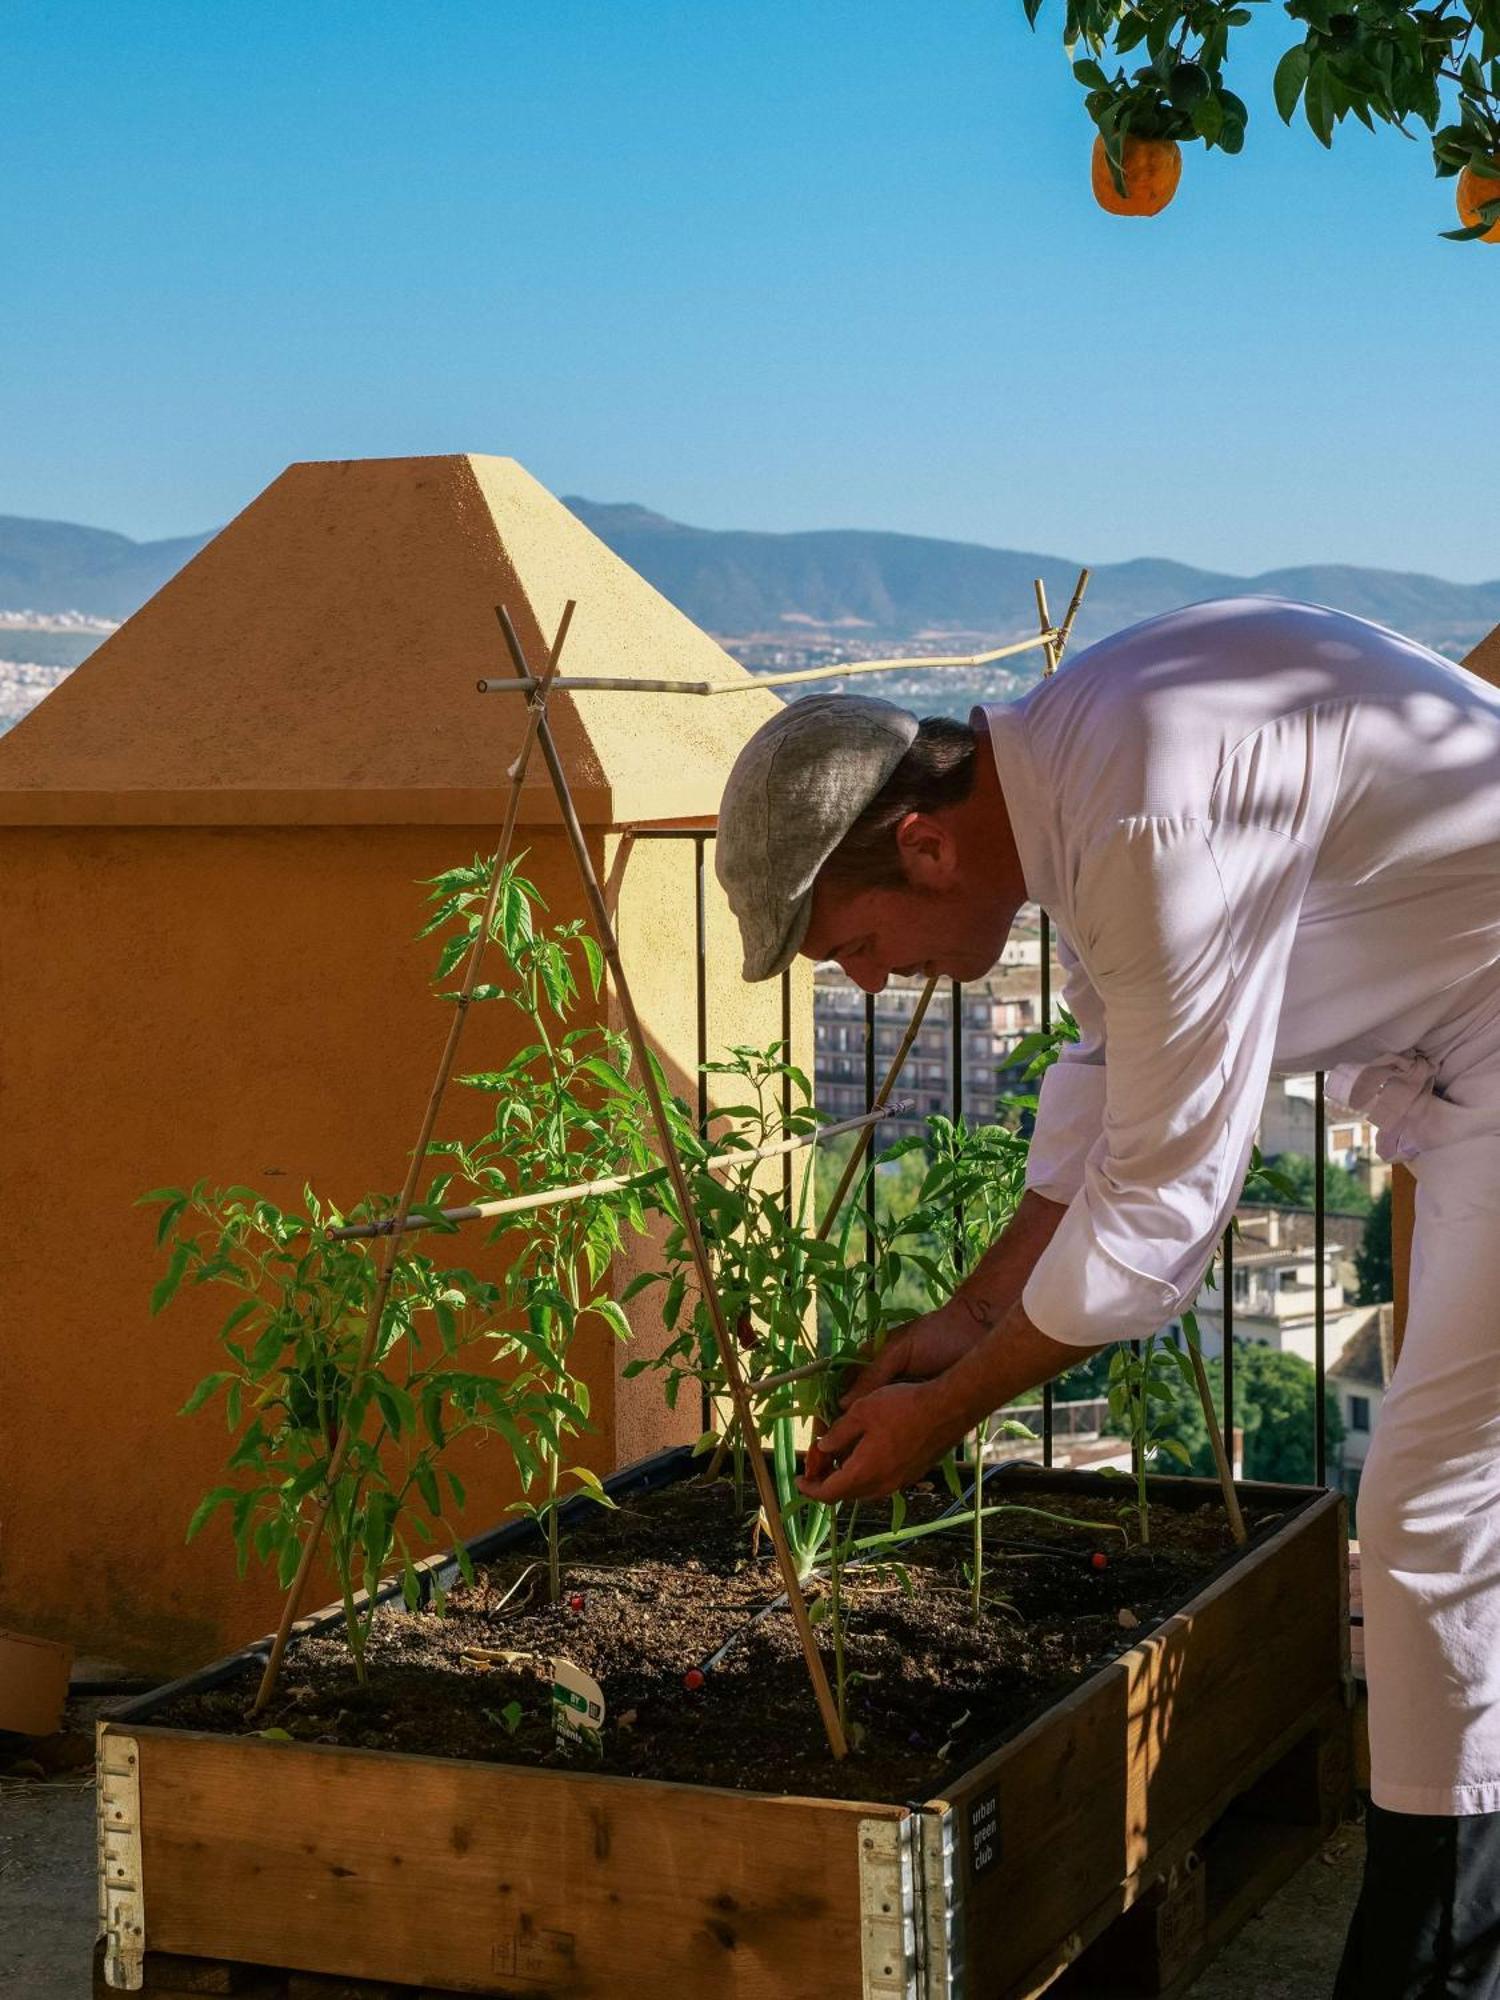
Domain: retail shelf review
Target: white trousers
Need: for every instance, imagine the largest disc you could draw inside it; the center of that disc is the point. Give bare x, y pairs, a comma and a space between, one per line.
1429, 1499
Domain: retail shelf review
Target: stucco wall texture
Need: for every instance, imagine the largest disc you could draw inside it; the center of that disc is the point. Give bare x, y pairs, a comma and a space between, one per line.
212, 838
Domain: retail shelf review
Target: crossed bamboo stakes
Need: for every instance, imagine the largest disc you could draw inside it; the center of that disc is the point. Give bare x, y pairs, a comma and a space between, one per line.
537, 685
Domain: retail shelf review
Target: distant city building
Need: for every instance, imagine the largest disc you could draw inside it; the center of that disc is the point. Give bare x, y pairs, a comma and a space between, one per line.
996, 1013
1289, 1125
1274, 1290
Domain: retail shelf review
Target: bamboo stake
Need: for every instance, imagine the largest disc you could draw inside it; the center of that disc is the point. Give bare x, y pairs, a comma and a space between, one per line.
762, 1385
522, 1204
605, 931
846, 1180
345, 1439
1065, 630
1045, 619
837, 670
1216, 1438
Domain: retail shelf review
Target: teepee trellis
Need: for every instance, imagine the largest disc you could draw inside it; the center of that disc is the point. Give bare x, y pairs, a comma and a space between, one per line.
536, 710
537, 685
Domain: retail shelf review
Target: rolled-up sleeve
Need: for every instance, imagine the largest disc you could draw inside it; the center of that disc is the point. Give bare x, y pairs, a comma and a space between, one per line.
1070, 1099
1186, 930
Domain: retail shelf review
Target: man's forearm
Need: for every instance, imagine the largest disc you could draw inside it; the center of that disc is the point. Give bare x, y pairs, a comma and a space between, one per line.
996, 1282
1013, 1357
1008, 1355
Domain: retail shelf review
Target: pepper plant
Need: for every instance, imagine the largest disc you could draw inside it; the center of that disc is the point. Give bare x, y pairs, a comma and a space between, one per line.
456, 1352
565, 1109
773, 1269
443, 1367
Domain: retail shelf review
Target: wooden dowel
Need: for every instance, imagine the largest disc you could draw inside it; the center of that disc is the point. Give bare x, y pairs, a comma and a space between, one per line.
522, 1204
846, 1180
606, 684
739, 1395
345, 1438
1044, 619
635, 684
1065, 630
1216, 1439
762, 1385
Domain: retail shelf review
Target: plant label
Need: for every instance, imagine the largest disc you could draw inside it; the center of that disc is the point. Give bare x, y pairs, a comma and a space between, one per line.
577, 1705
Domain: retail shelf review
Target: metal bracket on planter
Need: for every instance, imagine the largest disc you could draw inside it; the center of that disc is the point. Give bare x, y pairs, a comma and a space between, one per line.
122, 1904
890, 1942
942, 1912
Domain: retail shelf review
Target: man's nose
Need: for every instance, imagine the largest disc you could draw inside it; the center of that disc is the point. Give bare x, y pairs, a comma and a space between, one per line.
866, 978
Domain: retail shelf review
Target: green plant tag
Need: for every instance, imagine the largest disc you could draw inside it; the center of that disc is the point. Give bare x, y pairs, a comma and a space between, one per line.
577, 1706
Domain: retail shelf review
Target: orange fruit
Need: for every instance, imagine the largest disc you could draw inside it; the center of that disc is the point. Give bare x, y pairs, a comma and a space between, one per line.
1474, 190
1152, 168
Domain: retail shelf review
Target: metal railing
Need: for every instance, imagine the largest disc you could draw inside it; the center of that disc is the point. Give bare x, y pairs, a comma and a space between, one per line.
699, 837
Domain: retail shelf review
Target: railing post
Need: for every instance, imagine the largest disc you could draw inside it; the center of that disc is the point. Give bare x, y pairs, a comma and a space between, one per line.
1320, 1304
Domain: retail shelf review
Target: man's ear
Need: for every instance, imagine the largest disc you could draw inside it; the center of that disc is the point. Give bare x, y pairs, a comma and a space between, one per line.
927, 850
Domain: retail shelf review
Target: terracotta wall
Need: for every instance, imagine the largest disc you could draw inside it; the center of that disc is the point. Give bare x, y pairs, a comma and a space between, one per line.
245, 1004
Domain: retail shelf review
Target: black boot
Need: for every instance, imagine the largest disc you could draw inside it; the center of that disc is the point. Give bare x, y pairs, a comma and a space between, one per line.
1427, 1924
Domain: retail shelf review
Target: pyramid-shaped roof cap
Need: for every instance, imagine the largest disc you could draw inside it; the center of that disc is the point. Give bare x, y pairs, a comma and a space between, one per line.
317, 661
1485, 658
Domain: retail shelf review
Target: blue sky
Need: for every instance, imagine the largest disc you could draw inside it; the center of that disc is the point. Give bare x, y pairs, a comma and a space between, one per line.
782, 266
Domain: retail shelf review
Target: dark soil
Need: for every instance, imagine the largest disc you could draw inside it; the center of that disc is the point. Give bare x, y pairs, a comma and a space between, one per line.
668, 1579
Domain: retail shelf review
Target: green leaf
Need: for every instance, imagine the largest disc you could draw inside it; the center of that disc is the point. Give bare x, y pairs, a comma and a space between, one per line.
208, 1505
394, 1404
204, 1390
595, 958
591, 1483
411, 1589
176, 1269
1208, 119
614, 1318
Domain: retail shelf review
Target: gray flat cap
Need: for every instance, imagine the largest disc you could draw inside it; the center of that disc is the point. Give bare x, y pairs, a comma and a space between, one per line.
797, 787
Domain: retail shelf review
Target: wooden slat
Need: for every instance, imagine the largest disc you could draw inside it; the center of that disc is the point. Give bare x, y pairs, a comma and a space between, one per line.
1096, 1792
495, 1879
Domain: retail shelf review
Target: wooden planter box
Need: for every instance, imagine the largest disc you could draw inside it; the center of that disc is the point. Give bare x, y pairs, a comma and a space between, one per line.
1171, 1790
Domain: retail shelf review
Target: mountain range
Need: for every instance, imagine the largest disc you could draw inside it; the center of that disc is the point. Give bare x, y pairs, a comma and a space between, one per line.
859, 586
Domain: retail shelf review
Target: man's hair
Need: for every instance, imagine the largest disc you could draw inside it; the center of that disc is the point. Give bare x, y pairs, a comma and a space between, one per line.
936, 773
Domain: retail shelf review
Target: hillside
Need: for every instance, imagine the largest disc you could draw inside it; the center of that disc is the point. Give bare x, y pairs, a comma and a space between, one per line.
859, 588
52, 566
884, 586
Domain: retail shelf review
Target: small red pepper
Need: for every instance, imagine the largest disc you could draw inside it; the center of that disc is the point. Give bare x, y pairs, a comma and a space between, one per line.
575, 1602
692, 1680
816, 1464
1099, 1559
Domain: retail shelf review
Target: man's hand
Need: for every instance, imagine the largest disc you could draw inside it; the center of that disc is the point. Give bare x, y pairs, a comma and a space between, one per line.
921, 1349
887, 1439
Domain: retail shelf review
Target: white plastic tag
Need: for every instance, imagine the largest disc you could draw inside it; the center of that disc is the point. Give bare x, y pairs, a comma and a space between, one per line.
577, 1705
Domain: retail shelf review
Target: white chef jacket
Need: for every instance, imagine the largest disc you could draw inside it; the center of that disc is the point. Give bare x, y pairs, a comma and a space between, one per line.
1268, 835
